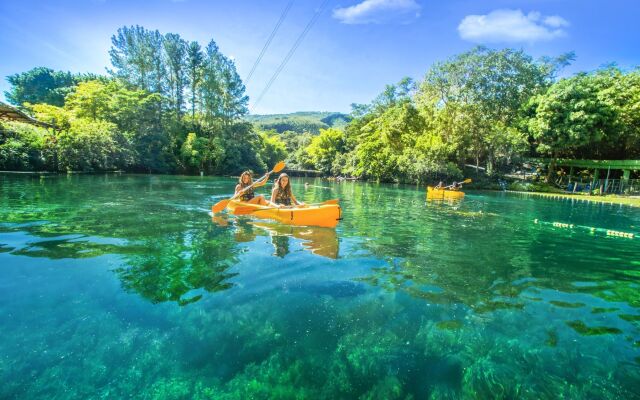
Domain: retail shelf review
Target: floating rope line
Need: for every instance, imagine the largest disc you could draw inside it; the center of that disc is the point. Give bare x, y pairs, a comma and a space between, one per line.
591, 229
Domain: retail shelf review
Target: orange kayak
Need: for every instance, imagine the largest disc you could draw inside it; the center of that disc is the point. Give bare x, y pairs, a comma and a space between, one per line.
325, 215
442, 194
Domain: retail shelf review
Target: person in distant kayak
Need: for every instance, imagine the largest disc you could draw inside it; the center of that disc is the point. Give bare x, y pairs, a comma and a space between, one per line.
282, 194
454, 186
248, 195
440, 186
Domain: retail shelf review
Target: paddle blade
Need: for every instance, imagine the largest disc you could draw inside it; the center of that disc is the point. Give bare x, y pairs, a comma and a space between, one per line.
219, 206
332, 201
468, 180
279, 166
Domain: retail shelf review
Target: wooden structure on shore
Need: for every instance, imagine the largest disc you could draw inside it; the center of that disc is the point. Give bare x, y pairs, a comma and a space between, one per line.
10, 113
601, 173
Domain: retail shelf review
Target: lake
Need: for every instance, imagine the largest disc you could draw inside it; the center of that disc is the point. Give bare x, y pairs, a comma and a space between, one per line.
115, 286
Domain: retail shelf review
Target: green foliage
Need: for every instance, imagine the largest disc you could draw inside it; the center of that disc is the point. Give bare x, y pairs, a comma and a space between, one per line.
571, 115
273, 149
194, 151
22, 146
484, 107
84, 144
134, 120
324, 149
40, 85
476, 100
195, 58
92, 146
296, 145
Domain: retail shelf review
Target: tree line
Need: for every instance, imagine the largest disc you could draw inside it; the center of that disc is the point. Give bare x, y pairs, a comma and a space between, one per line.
488, 108
169, 105
166, 105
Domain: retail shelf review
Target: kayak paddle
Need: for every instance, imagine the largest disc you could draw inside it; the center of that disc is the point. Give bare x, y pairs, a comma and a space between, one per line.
450, 187
221, 205
244, 210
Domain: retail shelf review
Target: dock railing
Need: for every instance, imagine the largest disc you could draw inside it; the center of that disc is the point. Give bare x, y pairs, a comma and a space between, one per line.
629, 187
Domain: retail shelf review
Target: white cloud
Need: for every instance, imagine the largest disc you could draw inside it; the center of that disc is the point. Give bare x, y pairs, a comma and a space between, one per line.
555, 21
511, 26
378, 11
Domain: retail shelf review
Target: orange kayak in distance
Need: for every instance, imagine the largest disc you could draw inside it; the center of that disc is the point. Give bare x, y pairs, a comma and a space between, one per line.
442, 194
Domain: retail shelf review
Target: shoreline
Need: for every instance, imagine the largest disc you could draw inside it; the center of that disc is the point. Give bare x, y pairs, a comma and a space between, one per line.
608, 199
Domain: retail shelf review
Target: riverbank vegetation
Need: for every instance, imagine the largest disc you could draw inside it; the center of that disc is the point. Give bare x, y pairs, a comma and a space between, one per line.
172, 106
167, 106
490, 109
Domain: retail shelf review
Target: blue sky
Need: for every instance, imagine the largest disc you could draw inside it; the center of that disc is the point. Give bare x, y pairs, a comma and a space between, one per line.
354, 49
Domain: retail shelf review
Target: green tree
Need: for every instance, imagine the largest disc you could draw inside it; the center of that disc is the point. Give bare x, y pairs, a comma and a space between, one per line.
222, 90
137, 57
325, 148
92, 100
570, 116
201, 153
21, 146
40, 85
272, 150
384, 139
83, 144
296, 145
175, 49
480, 93
195, 58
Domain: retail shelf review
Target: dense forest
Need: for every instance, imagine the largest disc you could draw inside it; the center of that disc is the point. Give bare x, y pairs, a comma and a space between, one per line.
490, 108
172, 106
167, 105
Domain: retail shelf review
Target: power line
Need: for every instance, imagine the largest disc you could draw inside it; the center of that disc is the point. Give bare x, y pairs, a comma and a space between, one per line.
291, 51
266, 45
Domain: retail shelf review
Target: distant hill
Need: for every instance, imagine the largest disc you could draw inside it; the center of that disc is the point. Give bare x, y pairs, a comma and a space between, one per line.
302, 121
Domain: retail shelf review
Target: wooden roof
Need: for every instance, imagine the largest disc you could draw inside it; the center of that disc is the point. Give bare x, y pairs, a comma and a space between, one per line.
10, 113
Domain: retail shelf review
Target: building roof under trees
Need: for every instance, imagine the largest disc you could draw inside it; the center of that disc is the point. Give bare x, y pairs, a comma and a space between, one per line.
10, 113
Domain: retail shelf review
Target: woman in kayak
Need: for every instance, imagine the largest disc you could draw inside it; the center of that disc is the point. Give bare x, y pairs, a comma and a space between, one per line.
249, 195
454, 186
282, 195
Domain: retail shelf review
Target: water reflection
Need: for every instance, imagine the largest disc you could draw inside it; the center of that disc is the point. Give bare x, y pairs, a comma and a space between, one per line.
402, 300
319, 241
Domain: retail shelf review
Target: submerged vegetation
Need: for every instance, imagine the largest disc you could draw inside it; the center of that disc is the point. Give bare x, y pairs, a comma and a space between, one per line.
121, 285
169, 105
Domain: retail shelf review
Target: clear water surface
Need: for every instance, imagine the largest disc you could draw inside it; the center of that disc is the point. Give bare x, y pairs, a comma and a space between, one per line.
124, 286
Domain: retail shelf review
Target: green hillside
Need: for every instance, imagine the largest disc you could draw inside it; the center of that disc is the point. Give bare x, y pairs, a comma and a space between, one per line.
302, 121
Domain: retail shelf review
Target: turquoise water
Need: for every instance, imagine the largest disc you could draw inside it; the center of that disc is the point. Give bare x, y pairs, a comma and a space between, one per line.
124, 286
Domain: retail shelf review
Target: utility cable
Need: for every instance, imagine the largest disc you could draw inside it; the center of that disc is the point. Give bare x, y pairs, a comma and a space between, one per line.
291, 51
266, 45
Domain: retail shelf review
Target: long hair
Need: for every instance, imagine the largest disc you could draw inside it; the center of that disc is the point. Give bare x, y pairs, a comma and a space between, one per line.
242, 176
286, 189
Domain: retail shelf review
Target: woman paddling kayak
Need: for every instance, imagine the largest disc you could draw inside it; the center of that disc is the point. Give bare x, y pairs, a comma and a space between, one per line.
249, 195
282, 194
